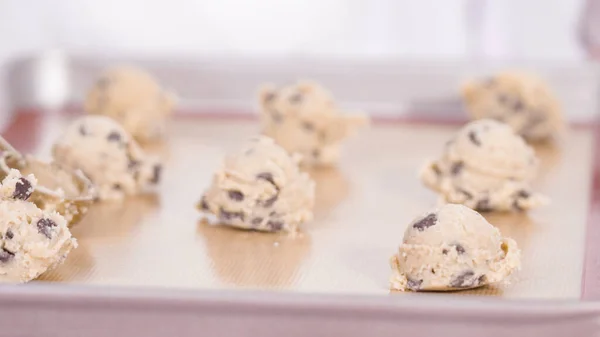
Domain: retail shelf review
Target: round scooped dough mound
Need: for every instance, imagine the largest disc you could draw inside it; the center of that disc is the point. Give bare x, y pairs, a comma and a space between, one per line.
260, 188
521, 100
32, 241
486, 167
452, 248
303, 119
108, 156
493, 148
134, 98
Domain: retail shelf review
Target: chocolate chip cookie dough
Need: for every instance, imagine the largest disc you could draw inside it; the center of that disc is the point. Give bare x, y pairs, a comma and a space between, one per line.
134, 98
67, 191
260, 188
32, 241
522, 100
486, 167
108, 156
452, 248
304, 119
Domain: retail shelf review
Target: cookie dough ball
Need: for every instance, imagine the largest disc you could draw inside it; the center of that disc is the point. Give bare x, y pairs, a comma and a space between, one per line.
108, 156
134, 98
32, 241
521, 100
486, 167
452, 248
260, 188
304, 119
67, 191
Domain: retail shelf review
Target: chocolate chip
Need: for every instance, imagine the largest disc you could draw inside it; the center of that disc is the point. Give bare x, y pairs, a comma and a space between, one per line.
23, 189
235, 195
83, 130
474, 139
316, 153
257, 221
503, 99
445, 251
464, 280
6, 255
114, 136
204, 204
156, 173
276, 116
522, 194
117, 187
457, 167
275, 225
269, 202
412, 284
44, 227
518, 105
425, 223
133, 164
9, 234
459, 248
296, 98
516, 206
483, 205
231, 215
467, 194
481, 280
269, 97
268, 177
308, 126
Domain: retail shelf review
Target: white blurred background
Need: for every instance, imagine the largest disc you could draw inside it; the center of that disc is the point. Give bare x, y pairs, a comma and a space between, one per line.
513, 29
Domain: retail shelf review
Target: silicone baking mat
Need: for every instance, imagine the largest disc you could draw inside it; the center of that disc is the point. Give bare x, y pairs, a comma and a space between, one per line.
361, 212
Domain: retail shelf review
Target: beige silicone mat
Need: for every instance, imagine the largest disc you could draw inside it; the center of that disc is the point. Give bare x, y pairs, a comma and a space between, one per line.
362, 210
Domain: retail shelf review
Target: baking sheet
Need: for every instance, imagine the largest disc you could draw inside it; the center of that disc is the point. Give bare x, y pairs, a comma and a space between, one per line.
361, 213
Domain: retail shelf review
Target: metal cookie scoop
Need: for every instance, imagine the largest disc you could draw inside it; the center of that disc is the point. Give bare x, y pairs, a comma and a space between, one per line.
69, 192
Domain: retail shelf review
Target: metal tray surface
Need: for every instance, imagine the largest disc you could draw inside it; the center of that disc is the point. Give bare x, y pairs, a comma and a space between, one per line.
150, 267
